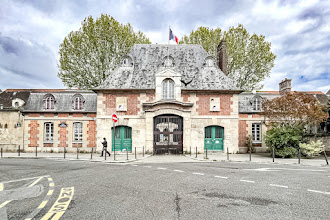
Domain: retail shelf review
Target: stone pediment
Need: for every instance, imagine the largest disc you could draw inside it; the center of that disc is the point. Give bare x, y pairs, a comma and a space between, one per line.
168, 73
167, 104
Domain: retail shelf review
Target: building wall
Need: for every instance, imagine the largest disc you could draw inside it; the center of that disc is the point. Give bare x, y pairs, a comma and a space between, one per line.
62, 136
245, 129
195, 118
10, 134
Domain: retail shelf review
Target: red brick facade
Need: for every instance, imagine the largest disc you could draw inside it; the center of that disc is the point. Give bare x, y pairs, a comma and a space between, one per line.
242, 133
203, 104
91, 134
62, 136
33, 131
133, 104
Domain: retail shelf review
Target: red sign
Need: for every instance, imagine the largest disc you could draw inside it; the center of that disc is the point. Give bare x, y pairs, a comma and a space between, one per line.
114, 118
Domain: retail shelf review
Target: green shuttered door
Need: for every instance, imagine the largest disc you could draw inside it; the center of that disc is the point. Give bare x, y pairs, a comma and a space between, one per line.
123, 138
213, 138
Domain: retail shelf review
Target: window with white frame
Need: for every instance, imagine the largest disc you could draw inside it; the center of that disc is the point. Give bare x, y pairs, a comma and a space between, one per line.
77, 132
168, 89
256, 132
256, 104
49, 102
49, 132
78, 102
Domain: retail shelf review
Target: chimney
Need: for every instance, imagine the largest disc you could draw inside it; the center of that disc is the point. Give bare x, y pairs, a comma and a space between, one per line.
222, 56
285, 86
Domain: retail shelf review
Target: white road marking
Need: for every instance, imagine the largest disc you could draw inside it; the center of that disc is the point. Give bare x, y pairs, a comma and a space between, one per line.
180, 171
247, 181
278, 185
198, 174
134, 165
147, 166
161, 168
222, 177
12, 181
316, 191
279, 169
1, 186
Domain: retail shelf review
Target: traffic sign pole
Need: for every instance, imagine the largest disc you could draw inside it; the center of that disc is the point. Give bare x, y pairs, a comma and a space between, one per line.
114, 119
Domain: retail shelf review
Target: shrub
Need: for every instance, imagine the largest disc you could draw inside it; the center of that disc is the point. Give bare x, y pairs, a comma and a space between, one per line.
287, 152
285, 139
311, 149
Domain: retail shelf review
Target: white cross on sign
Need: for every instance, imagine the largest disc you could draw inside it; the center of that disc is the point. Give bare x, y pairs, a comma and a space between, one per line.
114, 118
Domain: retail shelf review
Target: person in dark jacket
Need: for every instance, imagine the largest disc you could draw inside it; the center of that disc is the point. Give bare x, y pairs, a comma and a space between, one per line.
105, 146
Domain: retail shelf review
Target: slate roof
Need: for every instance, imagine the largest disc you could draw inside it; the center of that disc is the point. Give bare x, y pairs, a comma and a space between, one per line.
245, 100
63, 100
148, 59
7, 96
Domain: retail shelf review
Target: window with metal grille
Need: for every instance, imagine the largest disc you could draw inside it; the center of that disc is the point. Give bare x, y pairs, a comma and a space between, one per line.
218, 133
256, 132
77, 132
49, 132
127, 133
208, 132
168, 89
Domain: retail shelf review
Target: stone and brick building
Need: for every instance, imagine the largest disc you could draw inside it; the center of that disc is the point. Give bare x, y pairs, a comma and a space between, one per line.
168, 98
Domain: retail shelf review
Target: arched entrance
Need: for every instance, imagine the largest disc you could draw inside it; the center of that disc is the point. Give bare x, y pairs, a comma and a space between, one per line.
123, 138
168, 134
213, 138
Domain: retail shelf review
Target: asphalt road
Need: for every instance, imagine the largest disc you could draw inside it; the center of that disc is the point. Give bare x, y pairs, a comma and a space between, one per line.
53, 189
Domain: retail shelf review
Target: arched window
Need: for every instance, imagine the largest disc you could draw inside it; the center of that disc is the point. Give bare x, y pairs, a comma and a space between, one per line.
78, 102
49, 102
168, 89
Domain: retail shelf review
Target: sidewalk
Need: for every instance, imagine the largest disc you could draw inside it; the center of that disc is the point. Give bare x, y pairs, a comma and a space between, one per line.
258, 158
120, 157
211, 157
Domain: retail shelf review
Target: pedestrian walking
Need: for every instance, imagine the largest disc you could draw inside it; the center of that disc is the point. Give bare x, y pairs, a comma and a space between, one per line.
105, 146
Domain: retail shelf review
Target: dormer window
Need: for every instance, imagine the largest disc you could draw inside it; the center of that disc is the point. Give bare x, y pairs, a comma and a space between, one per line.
49, 102
209, 61
256, 104
168, 89
127, 61
78, 102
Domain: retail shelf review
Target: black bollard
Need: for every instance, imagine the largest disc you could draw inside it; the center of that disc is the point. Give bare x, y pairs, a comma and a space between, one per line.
227, 154
92, 153
135, 152
143, 151
190, 150
36, 151
206, 153
1, 152
196, 152
250, 152
77, 152
19, 150
273, 154
325, 156
299, 152
64, 152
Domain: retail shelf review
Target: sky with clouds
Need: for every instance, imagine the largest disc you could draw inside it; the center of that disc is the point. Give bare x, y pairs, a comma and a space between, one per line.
32, 30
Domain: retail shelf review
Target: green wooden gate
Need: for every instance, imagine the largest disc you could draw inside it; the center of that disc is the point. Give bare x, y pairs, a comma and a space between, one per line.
213, 138
123, 138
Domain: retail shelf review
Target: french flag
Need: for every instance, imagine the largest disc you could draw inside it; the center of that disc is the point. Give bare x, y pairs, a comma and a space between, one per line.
173, 37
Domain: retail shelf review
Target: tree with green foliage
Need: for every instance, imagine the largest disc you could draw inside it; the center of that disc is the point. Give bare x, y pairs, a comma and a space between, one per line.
250, 59
87, 55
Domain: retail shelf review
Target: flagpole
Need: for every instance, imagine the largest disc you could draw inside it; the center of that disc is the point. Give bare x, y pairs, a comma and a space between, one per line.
168, 53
